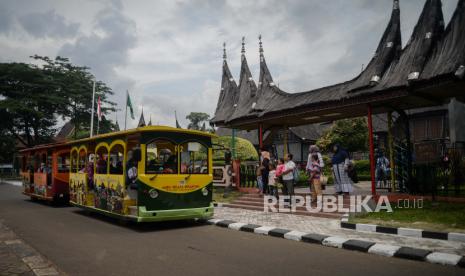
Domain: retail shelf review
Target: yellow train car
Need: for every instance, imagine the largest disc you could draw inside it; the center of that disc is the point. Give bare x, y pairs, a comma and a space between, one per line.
152, 173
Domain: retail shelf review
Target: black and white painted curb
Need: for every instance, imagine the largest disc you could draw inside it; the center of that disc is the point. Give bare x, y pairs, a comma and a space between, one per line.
349, 244
406, 232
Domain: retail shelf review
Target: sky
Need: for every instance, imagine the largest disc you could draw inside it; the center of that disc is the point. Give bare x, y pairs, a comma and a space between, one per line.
168, 54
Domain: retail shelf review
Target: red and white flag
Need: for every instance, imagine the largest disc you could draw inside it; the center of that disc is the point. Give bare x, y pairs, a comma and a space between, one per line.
99, 110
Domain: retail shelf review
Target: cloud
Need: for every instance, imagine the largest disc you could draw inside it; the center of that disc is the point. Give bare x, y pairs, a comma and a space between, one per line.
48, 24
168, 53
106, 48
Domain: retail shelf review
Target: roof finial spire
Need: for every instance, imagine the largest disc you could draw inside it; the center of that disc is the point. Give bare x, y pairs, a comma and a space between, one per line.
395, 5
224, 51
260, 44
243, 45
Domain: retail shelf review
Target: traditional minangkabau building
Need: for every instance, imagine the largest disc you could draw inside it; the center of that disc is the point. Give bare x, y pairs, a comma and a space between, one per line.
428, 72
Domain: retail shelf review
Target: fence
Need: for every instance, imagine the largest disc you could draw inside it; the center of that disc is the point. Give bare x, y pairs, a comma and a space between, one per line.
444, 177
248, 175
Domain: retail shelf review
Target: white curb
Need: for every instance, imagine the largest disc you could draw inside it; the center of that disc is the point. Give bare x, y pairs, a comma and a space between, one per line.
443, 258
334, 242
365, 227
263, 230
456, 237
236, 225
294, 235
409, 232
383, 249
214, 221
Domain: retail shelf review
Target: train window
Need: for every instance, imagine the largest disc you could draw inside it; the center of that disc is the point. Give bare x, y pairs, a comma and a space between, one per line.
63, 163
194, 158
161, 157
74, 161
102, 160
82, 161
116, 159
36, 162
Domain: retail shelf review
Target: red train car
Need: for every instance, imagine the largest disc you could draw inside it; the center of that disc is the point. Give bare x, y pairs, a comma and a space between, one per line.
45, 172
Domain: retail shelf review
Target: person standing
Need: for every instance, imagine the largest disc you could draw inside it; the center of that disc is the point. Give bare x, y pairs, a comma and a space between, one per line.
288, 176
272, 183
315, 171
313, 149
382, 169
265, 166
340, 164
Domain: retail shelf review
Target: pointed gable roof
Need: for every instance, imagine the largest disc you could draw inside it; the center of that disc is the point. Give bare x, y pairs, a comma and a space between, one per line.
228, 95
388, 50
426, 34
449, 54
247, 90
268, 92
141, 119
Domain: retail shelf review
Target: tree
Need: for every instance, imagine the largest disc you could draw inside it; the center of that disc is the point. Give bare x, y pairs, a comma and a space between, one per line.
352, 134
33, 98
196, 119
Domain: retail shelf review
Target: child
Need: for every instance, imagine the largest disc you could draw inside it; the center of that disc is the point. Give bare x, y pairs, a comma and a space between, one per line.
315, 171
272, 181
279, 172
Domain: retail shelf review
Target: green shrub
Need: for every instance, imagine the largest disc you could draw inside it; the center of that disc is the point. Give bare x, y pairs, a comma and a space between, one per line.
302, 179
245, 151
362, 167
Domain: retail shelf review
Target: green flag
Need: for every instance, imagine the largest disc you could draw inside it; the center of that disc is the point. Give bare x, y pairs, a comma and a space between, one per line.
129, 104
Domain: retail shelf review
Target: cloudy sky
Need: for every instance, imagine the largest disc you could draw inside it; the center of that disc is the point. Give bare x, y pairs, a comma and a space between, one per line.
168, 54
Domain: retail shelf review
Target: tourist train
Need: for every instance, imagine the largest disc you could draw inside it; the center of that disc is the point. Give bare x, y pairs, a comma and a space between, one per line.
151, 173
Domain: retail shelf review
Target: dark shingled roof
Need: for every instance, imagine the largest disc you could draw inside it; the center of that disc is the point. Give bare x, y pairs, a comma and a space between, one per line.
429, 53
425, 36
247, 91
228, 96
65, 131
389, 49
449, 55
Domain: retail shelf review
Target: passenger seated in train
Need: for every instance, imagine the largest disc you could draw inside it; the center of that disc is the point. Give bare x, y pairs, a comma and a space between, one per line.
90, 171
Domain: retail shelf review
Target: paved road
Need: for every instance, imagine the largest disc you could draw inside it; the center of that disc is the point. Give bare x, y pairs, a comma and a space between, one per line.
92, 245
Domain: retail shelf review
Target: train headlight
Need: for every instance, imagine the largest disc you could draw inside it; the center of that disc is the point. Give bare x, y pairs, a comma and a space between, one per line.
205, 191
153, 193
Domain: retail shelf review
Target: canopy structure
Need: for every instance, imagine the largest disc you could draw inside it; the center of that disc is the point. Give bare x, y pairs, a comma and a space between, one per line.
428, 71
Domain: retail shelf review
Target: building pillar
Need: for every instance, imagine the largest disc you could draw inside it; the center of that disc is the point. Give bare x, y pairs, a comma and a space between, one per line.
372, 151
260, 136
391, 151
285, 141
233, 144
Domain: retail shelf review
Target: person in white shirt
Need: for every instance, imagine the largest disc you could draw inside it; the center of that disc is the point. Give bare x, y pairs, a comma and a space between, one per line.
288, 175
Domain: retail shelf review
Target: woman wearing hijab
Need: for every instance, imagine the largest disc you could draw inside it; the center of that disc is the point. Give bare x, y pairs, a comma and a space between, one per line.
265, 170
340, 162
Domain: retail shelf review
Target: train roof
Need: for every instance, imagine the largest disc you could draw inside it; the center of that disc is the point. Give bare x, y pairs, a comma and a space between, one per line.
123, 133
145, 129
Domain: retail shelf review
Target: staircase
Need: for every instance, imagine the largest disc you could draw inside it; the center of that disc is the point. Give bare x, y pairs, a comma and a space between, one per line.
253, 201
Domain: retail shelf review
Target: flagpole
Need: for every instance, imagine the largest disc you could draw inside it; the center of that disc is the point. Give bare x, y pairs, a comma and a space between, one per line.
126, 113
99, 115
92, 116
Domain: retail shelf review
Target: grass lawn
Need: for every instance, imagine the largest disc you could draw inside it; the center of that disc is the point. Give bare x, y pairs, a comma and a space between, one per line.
441, 216
218, 195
